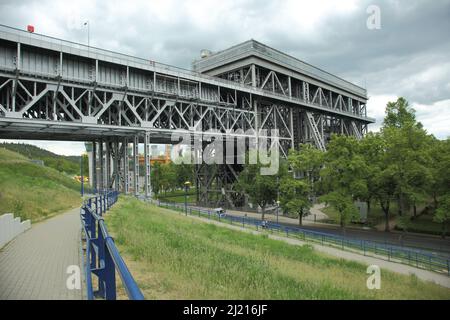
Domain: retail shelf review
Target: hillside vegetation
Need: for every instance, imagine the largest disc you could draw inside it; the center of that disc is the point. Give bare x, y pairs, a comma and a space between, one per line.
66, 164
176, 257
32, 191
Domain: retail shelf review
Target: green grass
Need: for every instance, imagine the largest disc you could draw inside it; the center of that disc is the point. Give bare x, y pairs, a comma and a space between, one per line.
332, 213
178, 196
422, 224
177, 257
67, 164
375, 217
425, 224
34, 192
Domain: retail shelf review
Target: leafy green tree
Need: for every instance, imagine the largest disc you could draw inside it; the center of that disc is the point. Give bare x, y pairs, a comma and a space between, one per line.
85, 160
294, 196
344, 175
343, 203
384, 187
307, 160
261, 189
407, 145
155, 176
440, 169
399, 114
372, 148
184, 169
168, 177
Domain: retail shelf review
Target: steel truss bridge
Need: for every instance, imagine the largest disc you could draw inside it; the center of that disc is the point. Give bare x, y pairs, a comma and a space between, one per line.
52, 89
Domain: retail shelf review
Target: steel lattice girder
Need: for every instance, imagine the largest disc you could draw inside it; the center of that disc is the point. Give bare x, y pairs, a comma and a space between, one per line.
70, 95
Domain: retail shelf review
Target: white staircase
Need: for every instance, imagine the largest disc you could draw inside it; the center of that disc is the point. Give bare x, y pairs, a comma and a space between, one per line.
356, 131
318, 139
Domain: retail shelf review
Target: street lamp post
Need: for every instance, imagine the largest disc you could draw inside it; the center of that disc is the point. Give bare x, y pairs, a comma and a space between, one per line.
82, 177
278, 195
278, 206
186, 188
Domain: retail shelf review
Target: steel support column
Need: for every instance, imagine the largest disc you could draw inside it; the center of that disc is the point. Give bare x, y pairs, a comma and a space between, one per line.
94, 166
147, 164
108, 164
102, 171
136, 165
126, 171
116, 164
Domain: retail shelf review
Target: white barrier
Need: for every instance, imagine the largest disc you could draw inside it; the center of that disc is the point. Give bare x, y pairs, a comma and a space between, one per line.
11, 227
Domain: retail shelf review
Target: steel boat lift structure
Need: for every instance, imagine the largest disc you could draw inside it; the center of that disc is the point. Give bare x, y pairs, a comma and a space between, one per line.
52, 89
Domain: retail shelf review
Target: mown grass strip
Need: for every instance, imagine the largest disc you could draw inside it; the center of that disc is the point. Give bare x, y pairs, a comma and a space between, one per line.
174, 257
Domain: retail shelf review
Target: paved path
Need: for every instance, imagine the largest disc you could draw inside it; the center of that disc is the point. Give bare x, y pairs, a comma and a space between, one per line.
412, 240
33, 266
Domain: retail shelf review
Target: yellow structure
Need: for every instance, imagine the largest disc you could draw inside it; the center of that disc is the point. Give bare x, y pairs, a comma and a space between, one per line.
78, 178
163, 159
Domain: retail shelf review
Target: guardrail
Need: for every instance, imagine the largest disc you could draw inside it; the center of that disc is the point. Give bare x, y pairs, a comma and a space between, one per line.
102, 257
414, 257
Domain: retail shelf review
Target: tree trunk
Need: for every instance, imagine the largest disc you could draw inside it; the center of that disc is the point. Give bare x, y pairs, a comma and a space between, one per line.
386, 226
342, 222
262, 212
400, 205
415, 210
444, 229
300, 217
368, 208
386, 215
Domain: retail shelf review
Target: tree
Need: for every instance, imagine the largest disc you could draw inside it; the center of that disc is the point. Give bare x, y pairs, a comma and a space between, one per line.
385, 187
404, 223
440, 169
344, 175
261, 189
307, 160
343, 203
442, 214
372, 150
168, 177
85, 160
407, 145
155, 175
399, 114
294, 196
184, 170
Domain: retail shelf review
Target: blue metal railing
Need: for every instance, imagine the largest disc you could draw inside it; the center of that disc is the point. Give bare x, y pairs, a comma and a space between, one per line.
414, 257
102, 257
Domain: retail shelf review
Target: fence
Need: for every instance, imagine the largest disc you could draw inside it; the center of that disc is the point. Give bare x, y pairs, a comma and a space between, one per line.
417, 258
11, 227
102, 256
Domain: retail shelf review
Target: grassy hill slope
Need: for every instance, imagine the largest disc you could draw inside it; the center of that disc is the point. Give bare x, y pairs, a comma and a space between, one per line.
67, 164
176, 257
32, 191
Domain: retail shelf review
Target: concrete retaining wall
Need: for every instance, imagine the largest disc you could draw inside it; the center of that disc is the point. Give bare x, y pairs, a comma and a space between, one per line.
11, 227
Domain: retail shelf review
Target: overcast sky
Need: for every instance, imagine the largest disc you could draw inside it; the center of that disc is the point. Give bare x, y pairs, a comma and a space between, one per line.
409, 56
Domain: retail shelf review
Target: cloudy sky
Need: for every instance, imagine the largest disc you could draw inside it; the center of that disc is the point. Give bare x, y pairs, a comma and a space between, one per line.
408, 56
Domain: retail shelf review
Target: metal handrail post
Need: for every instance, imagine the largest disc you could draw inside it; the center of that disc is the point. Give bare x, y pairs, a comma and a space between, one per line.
102, 263
92, 235
109, 275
